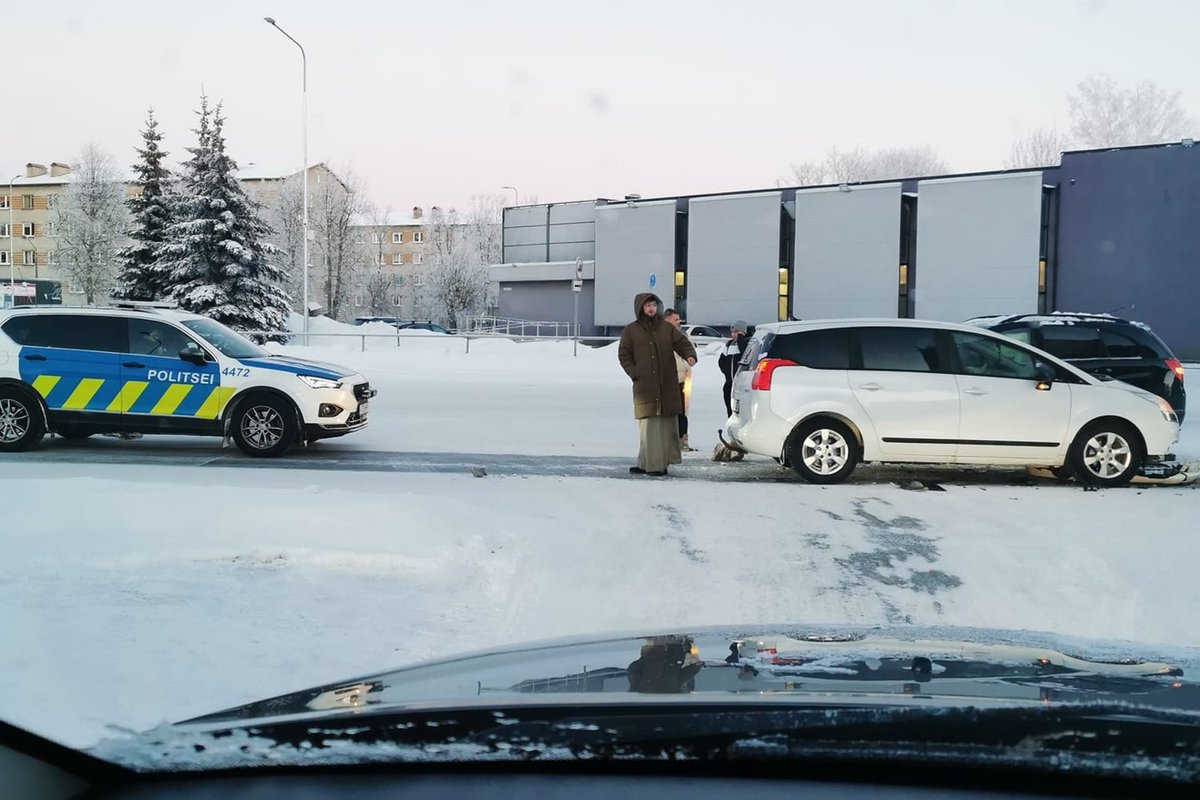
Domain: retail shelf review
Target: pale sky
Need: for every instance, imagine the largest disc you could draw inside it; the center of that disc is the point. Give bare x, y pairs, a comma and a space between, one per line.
436, 101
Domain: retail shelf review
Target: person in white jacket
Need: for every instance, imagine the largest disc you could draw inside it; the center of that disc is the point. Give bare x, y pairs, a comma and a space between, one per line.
684, 369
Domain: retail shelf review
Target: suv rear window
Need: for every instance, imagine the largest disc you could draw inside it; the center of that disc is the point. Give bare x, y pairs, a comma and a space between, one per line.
1125, 345
827, 349
900, 350
75, 332
1073, 341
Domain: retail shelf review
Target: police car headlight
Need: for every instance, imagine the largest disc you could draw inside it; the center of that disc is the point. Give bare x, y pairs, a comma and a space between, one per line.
320, 383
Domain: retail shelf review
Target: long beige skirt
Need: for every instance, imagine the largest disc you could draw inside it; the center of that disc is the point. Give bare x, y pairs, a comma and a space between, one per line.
659, 443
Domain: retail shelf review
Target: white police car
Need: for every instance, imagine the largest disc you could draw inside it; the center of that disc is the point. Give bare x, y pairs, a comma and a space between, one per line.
141, 368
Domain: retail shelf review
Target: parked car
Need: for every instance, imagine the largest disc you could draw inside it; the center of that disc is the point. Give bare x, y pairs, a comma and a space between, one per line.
702, 334
825, 395
365, 320
432, 327
1101, 345
142, 369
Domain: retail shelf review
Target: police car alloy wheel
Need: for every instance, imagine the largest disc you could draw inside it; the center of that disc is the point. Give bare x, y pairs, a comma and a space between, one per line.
264, 426
21, 425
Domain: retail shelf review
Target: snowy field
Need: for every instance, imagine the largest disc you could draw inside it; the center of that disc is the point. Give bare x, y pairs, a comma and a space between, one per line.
132, 595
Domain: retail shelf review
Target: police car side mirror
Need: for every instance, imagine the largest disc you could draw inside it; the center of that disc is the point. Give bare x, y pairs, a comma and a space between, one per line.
193, 354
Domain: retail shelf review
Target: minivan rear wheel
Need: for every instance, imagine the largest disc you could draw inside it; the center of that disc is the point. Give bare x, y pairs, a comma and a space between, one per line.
1106, 453
823, 451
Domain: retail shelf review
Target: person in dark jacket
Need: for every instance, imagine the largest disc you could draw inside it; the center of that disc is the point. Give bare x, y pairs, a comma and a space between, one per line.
731, 355
666, 665
647, 354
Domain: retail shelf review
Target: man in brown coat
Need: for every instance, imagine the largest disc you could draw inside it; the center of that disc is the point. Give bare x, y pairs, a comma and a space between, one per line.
646, 353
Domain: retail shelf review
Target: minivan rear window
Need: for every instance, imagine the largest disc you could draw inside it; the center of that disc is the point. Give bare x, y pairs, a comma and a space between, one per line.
825, 349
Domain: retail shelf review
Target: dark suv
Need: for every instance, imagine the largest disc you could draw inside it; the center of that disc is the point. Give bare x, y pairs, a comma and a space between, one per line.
1101, 345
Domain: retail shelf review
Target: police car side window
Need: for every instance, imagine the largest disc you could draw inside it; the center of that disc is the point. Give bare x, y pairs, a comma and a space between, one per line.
77, 332
148, 337
18, 329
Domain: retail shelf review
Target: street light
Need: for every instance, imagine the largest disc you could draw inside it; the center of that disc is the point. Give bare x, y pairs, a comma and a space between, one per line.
516, 197
304, 163
12, 263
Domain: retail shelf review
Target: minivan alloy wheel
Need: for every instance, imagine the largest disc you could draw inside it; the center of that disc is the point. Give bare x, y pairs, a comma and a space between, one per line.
1107, 455
824, 451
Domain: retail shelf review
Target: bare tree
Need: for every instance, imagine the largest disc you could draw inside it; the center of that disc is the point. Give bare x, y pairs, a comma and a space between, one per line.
461, 247
335, 208
90, 221
376, 284
1039, 148
287, 220
1105, 114
859, 164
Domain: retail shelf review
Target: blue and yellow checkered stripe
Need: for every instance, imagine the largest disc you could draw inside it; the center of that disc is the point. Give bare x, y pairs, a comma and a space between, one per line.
133, 397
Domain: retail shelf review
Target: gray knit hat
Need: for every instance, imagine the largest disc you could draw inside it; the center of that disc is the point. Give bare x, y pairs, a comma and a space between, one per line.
739, 325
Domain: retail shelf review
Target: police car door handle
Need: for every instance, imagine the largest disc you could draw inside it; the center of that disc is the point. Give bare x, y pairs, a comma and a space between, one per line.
132, 365
34, 357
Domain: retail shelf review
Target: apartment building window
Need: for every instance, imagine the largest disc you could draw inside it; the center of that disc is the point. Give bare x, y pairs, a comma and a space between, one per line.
74, 287
29, 258
51, 229
418, 237
358, 301
27, 230
4, 203
418, 258
3, 230
396, 300
27, 202
52, 258
419, 279
397, 259
398, 237
51, 200
381, 259
4, 258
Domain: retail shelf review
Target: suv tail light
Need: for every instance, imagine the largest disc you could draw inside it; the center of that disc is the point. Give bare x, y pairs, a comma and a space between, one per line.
1174, 365
764, 370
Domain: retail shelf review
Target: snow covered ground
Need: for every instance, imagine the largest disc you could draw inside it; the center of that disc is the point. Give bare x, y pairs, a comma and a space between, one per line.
131, 595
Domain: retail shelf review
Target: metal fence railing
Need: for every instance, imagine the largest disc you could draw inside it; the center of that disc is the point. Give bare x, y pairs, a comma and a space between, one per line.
301, 338
519, 327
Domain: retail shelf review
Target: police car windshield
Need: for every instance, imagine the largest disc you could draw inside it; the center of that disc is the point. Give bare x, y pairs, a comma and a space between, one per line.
227, 340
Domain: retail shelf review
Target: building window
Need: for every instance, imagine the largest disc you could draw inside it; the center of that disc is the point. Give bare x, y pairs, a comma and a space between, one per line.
52, 258
73, 287
376, 238
418, 258
51, 229
418, 237
381, 259
27, 230
397, 259
396, 300
783, 293
4, 258
27, 202
51, 200
29, 258
4, 202
419, 279
3, 230
398, 237
358, 301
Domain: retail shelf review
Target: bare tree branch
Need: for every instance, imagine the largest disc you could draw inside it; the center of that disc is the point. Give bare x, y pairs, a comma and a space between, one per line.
1105, 114
90, 221
858, 164
1039, 148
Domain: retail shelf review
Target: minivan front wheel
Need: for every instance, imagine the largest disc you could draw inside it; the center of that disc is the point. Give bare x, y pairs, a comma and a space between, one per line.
1106, 454
823, 451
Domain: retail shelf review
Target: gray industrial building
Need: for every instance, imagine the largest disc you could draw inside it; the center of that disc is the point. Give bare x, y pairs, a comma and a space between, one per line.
1115, 230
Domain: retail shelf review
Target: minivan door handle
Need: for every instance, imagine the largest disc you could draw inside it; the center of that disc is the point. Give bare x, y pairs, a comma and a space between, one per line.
870, 387
132, 365
34, 357
975, 390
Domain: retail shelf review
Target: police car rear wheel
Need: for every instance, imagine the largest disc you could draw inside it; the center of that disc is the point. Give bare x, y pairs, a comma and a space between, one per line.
264, 427
21, 424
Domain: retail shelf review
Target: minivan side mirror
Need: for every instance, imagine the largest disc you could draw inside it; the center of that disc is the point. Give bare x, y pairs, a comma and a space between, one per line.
1044, 374
192, 353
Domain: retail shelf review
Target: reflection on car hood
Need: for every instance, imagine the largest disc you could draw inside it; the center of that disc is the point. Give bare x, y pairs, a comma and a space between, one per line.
815, 664
299, 366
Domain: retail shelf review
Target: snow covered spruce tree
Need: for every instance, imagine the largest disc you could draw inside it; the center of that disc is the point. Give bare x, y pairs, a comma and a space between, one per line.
139, 277
216, 257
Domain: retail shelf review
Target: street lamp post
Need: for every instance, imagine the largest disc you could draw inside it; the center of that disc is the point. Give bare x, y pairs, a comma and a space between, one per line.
516, 197
304, 163
12, 262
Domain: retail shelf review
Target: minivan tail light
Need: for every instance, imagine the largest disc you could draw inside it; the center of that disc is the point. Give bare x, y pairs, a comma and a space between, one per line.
1176, 367
764, 370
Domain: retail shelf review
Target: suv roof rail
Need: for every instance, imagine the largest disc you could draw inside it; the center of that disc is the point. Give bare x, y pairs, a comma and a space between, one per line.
142, 304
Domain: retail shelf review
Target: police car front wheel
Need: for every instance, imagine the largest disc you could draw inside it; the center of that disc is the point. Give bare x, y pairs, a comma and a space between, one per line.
264, 426
21, 424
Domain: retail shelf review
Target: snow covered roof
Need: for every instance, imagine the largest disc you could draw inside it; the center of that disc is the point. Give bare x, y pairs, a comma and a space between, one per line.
41, 180
253, 171
395, 219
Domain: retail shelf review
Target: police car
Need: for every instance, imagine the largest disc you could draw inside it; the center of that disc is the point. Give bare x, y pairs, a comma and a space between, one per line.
143, 368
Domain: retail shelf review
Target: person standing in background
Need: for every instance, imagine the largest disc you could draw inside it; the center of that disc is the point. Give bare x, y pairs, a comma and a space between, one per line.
731, 355
685, 382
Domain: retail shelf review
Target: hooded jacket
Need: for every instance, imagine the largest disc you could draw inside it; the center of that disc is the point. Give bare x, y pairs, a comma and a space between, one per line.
646, 353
